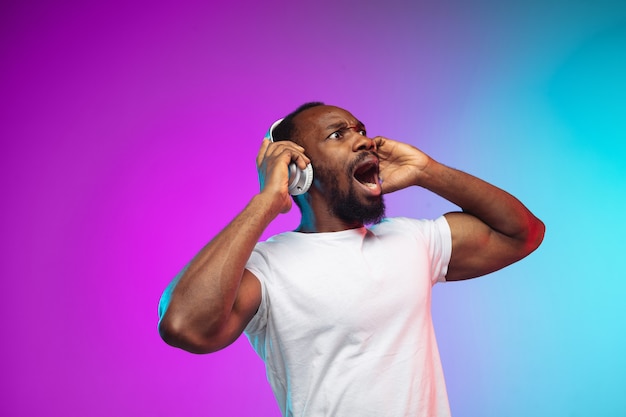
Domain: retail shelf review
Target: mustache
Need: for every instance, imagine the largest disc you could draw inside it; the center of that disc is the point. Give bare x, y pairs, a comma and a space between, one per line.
360, 158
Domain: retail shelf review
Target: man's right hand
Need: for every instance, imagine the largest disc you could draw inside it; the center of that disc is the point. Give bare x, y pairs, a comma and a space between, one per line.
272, 163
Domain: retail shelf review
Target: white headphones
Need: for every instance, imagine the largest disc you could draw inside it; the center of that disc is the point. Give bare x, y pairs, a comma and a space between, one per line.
299, 180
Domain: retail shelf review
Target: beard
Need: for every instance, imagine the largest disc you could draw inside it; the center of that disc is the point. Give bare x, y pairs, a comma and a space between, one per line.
346, 204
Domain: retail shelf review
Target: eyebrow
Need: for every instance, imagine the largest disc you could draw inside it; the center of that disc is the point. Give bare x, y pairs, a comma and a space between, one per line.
344, 125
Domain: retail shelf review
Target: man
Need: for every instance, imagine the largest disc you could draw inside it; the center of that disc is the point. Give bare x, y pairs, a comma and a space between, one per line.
340, 312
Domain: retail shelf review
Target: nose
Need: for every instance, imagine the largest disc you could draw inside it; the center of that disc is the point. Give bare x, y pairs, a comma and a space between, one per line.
363, 143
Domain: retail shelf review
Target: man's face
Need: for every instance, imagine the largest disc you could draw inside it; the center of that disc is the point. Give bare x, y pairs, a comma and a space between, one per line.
345, 163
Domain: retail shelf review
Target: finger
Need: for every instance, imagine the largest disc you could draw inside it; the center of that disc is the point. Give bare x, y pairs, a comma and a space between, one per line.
293, 151
287, 144
302, 161
295, 156
379, 141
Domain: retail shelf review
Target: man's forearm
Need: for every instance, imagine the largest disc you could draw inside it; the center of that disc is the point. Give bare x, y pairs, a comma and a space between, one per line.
495, 207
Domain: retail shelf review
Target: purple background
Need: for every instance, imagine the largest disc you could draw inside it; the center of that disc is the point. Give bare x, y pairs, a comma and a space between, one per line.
129, 132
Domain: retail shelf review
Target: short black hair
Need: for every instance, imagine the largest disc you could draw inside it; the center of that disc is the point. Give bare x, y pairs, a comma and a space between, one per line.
286, 130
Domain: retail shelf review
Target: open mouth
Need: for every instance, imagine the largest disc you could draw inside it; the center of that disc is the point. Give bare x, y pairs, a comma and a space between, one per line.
367, 173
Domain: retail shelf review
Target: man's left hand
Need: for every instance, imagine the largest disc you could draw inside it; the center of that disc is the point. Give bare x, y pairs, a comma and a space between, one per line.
400, 164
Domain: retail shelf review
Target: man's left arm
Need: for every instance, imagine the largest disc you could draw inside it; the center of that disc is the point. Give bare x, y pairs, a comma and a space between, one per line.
494, 229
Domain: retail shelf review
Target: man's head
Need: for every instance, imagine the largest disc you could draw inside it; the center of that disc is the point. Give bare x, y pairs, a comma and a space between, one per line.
345, 164
287, 129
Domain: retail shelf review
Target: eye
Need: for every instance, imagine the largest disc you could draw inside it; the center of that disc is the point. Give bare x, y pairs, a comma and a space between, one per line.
362, 132
335, 135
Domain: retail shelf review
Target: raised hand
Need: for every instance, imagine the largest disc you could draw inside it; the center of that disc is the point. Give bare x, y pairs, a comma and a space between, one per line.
400, 164
273, 162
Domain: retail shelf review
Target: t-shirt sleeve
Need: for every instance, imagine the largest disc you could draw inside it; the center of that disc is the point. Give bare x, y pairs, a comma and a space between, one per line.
440, 249
435, 238
258, 265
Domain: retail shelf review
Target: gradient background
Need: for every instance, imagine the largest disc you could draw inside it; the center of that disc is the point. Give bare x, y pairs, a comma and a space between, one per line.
129, 132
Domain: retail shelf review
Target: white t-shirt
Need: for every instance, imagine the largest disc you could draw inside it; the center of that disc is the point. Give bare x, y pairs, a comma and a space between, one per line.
344, 325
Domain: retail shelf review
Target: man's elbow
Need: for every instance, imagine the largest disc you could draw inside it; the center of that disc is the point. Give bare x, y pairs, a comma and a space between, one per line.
177, 333
534, 236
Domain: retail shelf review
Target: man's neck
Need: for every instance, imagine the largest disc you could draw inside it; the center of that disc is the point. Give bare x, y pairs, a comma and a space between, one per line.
310, 223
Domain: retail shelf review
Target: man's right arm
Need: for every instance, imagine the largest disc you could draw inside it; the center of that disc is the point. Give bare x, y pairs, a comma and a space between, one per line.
210, 302
207, 306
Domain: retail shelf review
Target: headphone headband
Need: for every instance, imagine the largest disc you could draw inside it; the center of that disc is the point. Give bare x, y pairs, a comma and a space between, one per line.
270, 133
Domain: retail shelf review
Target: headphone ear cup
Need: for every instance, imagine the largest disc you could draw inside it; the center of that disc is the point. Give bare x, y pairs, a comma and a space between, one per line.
300, 180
